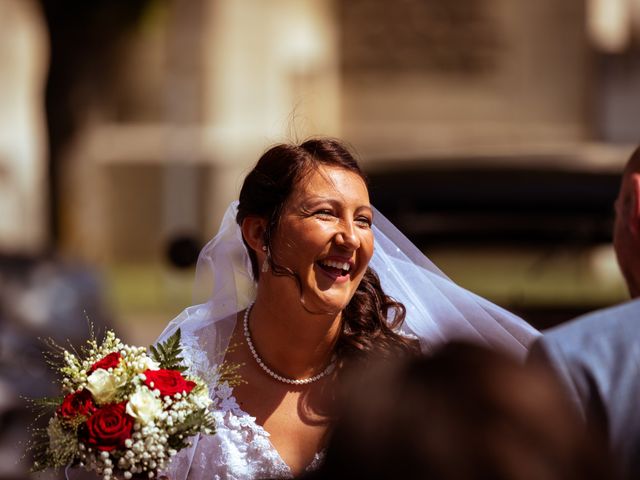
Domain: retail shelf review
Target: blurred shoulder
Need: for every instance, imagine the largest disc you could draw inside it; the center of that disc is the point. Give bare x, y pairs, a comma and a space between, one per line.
596, 357
620, 321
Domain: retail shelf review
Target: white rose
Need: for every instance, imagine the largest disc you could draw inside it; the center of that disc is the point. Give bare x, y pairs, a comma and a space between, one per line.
103, 385
144, 406
149, 364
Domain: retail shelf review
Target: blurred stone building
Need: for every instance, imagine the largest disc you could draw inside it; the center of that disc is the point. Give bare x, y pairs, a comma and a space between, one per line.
197, 89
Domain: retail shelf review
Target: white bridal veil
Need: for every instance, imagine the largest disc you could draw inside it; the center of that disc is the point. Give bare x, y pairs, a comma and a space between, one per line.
438, 310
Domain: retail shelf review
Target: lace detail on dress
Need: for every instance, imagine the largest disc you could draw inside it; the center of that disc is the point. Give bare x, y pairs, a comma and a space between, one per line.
316, 462
240, 448
195, 348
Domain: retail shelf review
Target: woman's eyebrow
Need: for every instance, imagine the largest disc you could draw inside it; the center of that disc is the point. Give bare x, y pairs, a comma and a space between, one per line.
320, 199
311, 201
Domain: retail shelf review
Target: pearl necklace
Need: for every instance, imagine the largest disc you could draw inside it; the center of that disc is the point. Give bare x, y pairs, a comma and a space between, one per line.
271, 373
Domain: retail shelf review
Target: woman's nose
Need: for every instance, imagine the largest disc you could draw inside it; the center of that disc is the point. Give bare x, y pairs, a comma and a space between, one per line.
347, 237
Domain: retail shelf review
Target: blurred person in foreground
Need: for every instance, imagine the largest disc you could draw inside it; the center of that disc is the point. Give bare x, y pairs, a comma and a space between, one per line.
464, 413
598, 355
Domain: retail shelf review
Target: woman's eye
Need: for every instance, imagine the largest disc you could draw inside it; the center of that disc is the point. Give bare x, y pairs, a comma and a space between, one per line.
364, 221
324, 214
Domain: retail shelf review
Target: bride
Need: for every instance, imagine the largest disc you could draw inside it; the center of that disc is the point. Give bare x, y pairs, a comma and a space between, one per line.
306, 277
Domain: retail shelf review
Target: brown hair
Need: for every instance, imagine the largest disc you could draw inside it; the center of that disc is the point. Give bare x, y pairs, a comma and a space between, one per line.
265, 191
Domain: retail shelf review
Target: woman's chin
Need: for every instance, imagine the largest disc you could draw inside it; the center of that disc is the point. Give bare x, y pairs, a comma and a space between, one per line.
324, 295
327, 302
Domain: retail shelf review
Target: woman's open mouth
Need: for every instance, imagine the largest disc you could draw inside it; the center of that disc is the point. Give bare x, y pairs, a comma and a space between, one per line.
336, 269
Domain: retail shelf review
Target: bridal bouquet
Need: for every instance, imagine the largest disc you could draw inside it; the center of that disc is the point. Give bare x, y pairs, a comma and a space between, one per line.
124, 412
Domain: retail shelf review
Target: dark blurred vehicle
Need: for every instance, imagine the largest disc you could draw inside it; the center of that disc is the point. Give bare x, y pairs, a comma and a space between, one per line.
526, 202
549, 207
40, 298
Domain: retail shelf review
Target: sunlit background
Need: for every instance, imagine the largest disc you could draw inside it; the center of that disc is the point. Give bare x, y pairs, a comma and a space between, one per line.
493, 131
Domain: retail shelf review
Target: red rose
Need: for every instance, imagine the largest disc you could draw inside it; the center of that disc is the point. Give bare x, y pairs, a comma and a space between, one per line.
77, 403
169, 382
110, 361
108, 427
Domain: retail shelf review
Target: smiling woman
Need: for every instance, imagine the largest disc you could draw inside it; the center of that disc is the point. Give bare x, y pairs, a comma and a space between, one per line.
305, 211
296, 300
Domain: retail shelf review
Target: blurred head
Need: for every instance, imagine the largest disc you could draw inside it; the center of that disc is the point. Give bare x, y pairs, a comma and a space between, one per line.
464, 413
626, 234
305, 209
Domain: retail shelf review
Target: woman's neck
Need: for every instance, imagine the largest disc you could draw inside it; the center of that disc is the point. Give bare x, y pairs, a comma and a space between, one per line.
291, 340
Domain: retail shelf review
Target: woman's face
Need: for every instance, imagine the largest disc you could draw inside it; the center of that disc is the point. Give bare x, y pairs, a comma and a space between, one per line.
325, 236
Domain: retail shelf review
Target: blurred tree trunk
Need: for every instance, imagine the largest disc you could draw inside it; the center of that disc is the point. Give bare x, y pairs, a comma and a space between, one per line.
85, 39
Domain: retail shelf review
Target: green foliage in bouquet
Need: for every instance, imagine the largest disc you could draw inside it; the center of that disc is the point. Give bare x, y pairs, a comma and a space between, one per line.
167, 354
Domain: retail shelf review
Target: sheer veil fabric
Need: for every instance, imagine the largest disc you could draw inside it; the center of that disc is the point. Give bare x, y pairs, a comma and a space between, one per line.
438, 310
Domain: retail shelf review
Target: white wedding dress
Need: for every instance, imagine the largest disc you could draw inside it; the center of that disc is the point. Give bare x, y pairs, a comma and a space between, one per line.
240, 448
438, 311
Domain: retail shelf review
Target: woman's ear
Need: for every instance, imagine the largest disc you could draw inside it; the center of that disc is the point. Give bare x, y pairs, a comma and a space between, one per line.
253, 231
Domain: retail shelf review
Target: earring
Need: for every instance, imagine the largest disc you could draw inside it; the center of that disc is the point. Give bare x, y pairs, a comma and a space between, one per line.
265, 264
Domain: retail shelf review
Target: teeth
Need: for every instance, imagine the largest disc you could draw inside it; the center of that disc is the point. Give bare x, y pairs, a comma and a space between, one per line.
341, 265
